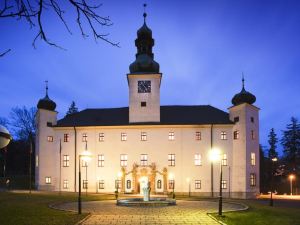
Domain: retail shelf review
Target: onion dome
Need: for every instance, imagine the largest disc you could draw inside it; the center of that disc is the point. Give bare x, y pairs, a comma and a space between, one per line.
243, 97
46, 102
144, 62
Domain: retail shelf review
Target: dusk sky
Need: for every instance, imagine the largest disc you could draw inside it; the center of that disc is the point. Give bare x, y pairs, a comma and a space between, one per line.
202, 48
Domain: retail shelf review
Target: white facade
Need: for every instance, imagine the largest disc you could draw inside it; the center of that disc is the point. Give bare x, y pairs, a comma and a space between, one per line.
145, 149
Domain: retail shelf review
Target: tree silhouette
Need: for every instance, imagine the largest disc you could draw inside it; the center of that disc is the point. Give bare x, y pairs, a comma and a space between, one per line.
72, 109
273, 140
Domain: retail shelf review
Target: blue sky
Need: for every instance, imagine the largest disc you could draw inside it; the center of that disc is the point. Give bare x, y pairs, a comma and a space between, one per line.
202, 47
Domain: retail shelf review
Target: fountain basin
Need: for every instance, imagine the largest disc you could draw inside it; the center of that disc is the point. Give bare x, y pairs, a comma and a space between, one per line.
154, 202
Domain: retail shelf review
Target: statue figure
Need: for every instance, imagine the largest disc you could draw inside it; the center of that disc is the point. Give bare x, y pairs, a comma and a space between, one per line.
146, 192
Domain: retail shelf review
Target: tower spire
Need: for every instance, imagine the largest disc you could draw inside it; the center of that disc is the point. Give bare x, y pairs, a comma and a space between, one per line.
145, 14
243, 80
46, 88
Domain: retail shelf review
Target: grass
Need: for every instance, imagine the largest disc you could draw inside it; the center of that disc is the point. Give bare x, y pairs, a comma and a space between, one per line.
32, 209
259, 214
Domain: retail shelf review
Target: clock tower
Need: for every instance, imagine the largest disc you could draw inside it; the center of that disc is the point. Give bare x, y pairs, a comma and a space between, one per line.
144, 80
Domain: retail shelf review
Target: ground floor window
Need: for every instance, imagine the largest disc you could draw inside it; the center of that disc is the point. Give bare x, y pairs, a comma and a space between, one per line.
48, 180
101, 184
128, 184
85, 184
224, 184
158, 184
197, 184
118, 184
171, 184
66, 184
252, 179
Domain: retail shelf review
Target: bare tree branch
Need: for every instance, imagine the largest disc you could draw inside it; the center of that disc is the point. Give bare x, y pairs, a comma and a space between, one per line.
4, 53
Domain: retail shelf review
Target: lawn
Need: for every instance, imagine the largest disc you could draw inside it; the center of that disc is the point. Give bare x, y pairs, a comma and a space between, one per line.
259, 214
32, 209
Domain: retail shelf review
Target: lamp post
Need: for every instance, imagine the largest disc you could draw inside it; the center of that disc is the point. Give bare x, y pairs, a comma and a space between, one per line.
188, 180
117, 184
291, 177
215, 155
272, 180
85, 156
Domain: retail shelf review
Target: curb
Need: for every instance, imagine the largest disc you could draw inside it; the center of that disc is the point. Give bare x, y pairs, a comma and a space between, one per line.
84, 219
215, 219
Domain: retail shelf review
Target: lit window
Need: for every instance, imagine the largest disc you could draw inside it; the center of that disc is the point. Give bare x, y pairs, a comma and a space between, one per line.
236, 119
252, 159
223, 135
144, 159
252, 135
252, 179
128, 184
158, 184
66, 161
66, 184
171, 159
50, 138
224, 184
224, 160
101, 184
198, 161
66, 137
171, 136
85, 184
36, 161
198, 136
123, 160
101, 137
143, 136
118, 184
101, 160
123, 137
84, 137
197, 184
48, 180
236, 135
171, 184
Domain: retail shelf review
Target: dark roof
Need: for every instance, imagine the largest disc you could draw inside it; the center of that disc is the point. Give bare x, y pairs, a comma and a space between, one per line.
169, 115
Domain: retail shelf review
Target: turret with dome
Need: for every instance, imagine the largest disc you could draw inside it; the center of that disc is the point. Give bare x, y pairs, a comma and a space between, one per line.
243, 97
46, 102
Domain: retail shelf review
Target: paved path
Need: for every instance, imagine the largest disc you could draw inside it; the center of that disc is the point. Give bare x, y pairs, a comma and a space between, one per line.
185, 212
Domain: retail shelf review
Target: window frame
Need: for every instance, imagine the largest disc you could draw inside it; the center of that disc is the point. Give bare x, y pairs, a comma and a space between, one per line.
123, 136
101, 137
171, 159
85, 184
48, 180
236, 135
223, 135
171, 136
101, 159
66, 137
123, 160
101, 184
252, 159
224, 184
252, 179
197, 184
198, 159
224, 160
66, 160
171, 184
84, 137
144, 160
50, 138
198, 136
66, 184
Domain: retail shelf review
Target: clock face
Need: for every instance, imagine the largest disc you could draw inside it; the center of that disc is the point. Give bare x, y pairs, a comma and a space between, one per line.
144, 86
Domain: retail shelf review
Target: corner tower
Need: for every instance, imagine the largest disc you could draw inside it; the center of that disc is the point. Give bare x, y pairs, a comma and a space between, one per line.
245, 161
144, 80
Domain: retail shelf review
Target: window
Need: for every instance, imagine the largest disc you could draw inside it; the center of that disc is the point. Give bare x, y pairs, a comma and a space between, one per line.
171, 136
66, 184
252, 159
117, 184
223, 135
50, 138
252, 135
143, 136
66, 137
84, 137
144, 159
252, 179
197, 184
128, 184
158, 185
101, 137
236, 119
49, 124
123, 137
171, 184
198, 136
101, 160
123, 160
252, 119
224, 160
171, 159
85, 184
101, 184
143, 104
48, 180
236, 135
36, 161
224, 184
66, 161
198, 161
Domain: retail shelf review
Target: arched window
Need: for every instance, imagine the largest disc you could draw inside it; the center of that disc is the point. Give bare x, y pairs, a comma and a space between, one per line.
128, 184
158, 184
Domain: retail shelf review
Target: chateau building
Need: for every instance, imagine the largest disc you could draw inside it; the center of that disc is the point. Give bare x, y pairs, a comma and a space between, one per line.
168, 146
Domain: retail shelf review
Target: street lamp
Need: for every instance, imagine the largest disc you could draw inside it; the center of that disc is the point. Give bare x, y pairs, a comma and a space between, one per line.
188, 180
272, 180
215, 155
5, 138
171, 177
85, 156
291, 177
